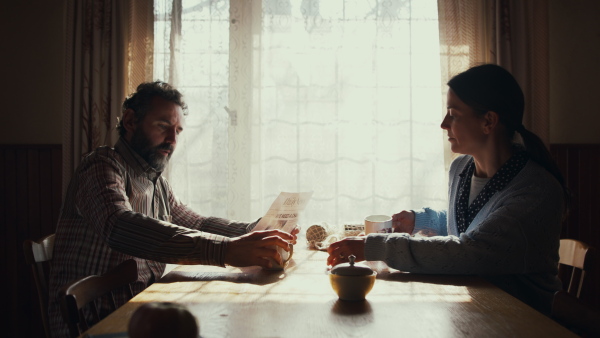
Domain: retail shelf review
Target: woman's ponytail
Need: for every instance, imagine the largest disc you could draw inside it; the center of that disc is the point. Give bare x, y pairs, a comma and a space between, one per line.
538, 152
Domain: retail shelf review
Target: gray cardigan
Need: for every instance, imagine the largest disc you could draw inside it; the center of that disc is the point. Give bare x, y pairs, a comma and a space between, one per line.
512, 242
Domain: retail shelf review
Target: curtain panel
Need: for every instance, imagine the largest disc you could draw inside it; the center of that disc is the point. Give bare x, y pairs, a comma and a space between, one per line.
510, 33
108, 52
520, 43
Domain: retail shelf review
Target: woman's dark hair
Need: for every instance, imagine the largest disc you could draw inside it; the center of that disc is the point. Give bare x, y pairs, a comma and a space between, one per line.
492, 88
141, 101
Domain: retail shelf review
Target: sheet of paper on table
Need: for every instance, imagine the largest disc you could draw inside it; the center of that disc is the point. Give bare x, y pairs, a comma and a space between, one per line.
283, 213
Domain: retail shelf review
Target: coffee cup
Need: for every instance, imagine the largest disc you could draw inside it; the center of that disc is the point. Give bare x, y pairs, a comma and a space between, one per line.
378, 224
285, 257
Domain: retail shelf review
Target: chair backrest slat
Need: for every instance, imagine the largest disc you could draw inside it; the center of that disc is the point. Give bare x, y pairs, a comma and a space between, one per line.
37, 255
42, 251
577, 255
572, 252
78, 294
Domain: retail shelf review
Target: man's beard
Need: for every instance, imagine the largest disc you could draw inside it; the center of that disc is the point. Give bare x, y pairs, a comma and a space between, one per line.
141, 145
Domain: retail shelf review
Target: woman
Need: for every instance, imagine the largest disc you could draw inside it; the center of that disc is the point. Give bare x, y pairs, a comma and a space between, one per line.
506, 201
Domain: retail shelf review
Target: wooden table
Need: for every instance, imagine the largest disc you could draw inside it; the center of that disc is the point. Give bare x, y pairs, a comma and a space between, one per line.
299, 302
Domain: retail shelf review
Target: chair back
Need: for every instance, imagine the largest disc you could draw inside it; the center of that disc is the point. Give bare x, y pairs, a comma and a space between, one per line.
38, 255
76, 295
575, 315
577, 256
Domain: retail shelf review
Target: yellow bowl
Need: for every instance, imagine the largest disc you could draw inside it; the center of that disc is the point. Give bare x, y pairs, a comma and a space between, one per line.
352, 288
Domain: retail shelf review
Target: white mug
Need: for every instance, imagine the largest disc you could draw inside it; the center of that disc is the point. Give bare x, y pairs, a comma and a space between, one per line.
378, 224
285, 256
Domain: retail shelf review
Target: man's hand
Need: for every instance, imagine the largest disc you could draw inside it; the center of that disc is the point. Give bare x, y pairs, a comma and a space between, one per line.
252, 248
295, 232
404, 221
339, 251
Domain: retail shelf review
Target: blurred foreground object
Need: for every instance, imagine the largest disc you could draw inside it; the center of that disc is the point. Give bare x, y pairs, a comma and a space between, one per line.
163, 319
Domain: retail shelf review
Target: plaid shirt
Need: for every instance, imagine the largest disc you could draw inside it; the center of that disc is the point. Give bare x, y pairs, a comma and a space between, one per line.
117, 208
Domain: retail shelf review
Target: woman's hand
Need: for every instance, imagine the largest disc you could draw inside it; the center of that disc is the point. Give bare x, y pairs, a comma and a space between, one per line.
339, 251
404, 221
253, 248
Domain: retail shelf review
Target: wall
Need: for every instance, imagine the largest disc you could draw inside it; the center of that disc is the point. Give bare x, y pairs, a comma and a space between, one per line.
32, 35
32, 61
574, 71
30, 199
580, 164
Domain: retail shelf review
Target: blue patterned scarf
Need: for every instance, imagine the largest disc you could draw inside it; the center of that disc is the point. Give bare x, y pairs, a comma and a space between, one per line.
465, 213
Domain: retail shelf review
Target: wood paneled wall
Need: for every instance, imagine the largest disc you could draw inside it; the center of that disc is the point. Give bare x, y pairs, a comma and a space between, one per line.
580, 165
30, 200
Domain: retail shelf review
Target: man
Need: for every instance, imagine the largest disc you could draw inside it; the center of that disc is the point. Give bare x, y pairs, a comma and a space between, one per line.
118, 206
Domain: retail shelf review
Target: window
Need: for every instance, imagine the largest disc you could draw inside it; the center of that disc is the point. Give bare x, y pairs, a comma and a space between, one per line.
339, 97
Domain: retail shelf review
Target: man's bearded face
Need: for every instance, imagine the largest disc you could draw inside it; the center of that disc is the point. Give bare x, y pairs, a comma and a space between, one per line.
150, 153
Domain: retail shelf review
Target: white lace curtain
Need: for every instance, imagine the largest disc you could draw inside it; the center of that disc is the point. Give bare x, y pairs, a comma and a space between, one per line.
338, 97
342, 98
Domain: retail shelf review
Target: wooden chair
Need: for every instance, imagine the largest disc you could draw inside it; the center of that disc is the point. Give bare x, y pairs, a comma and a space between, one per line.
76, 295
578, 256
575, 315
38, 255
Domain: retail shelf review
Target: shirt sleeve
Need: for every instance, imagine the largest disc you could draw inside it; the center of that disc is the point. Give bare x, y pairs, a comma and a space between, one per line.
186, 217
429, 222
102, 200
515, 238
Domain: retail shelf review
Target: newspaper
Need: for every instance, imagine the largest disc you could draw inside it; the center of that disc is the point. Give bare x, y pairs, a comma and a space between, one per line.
283, 213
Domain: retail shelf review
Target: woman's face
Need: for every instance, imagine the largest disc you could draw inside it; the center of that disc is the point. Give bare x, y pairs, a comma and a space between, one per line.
465, 127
